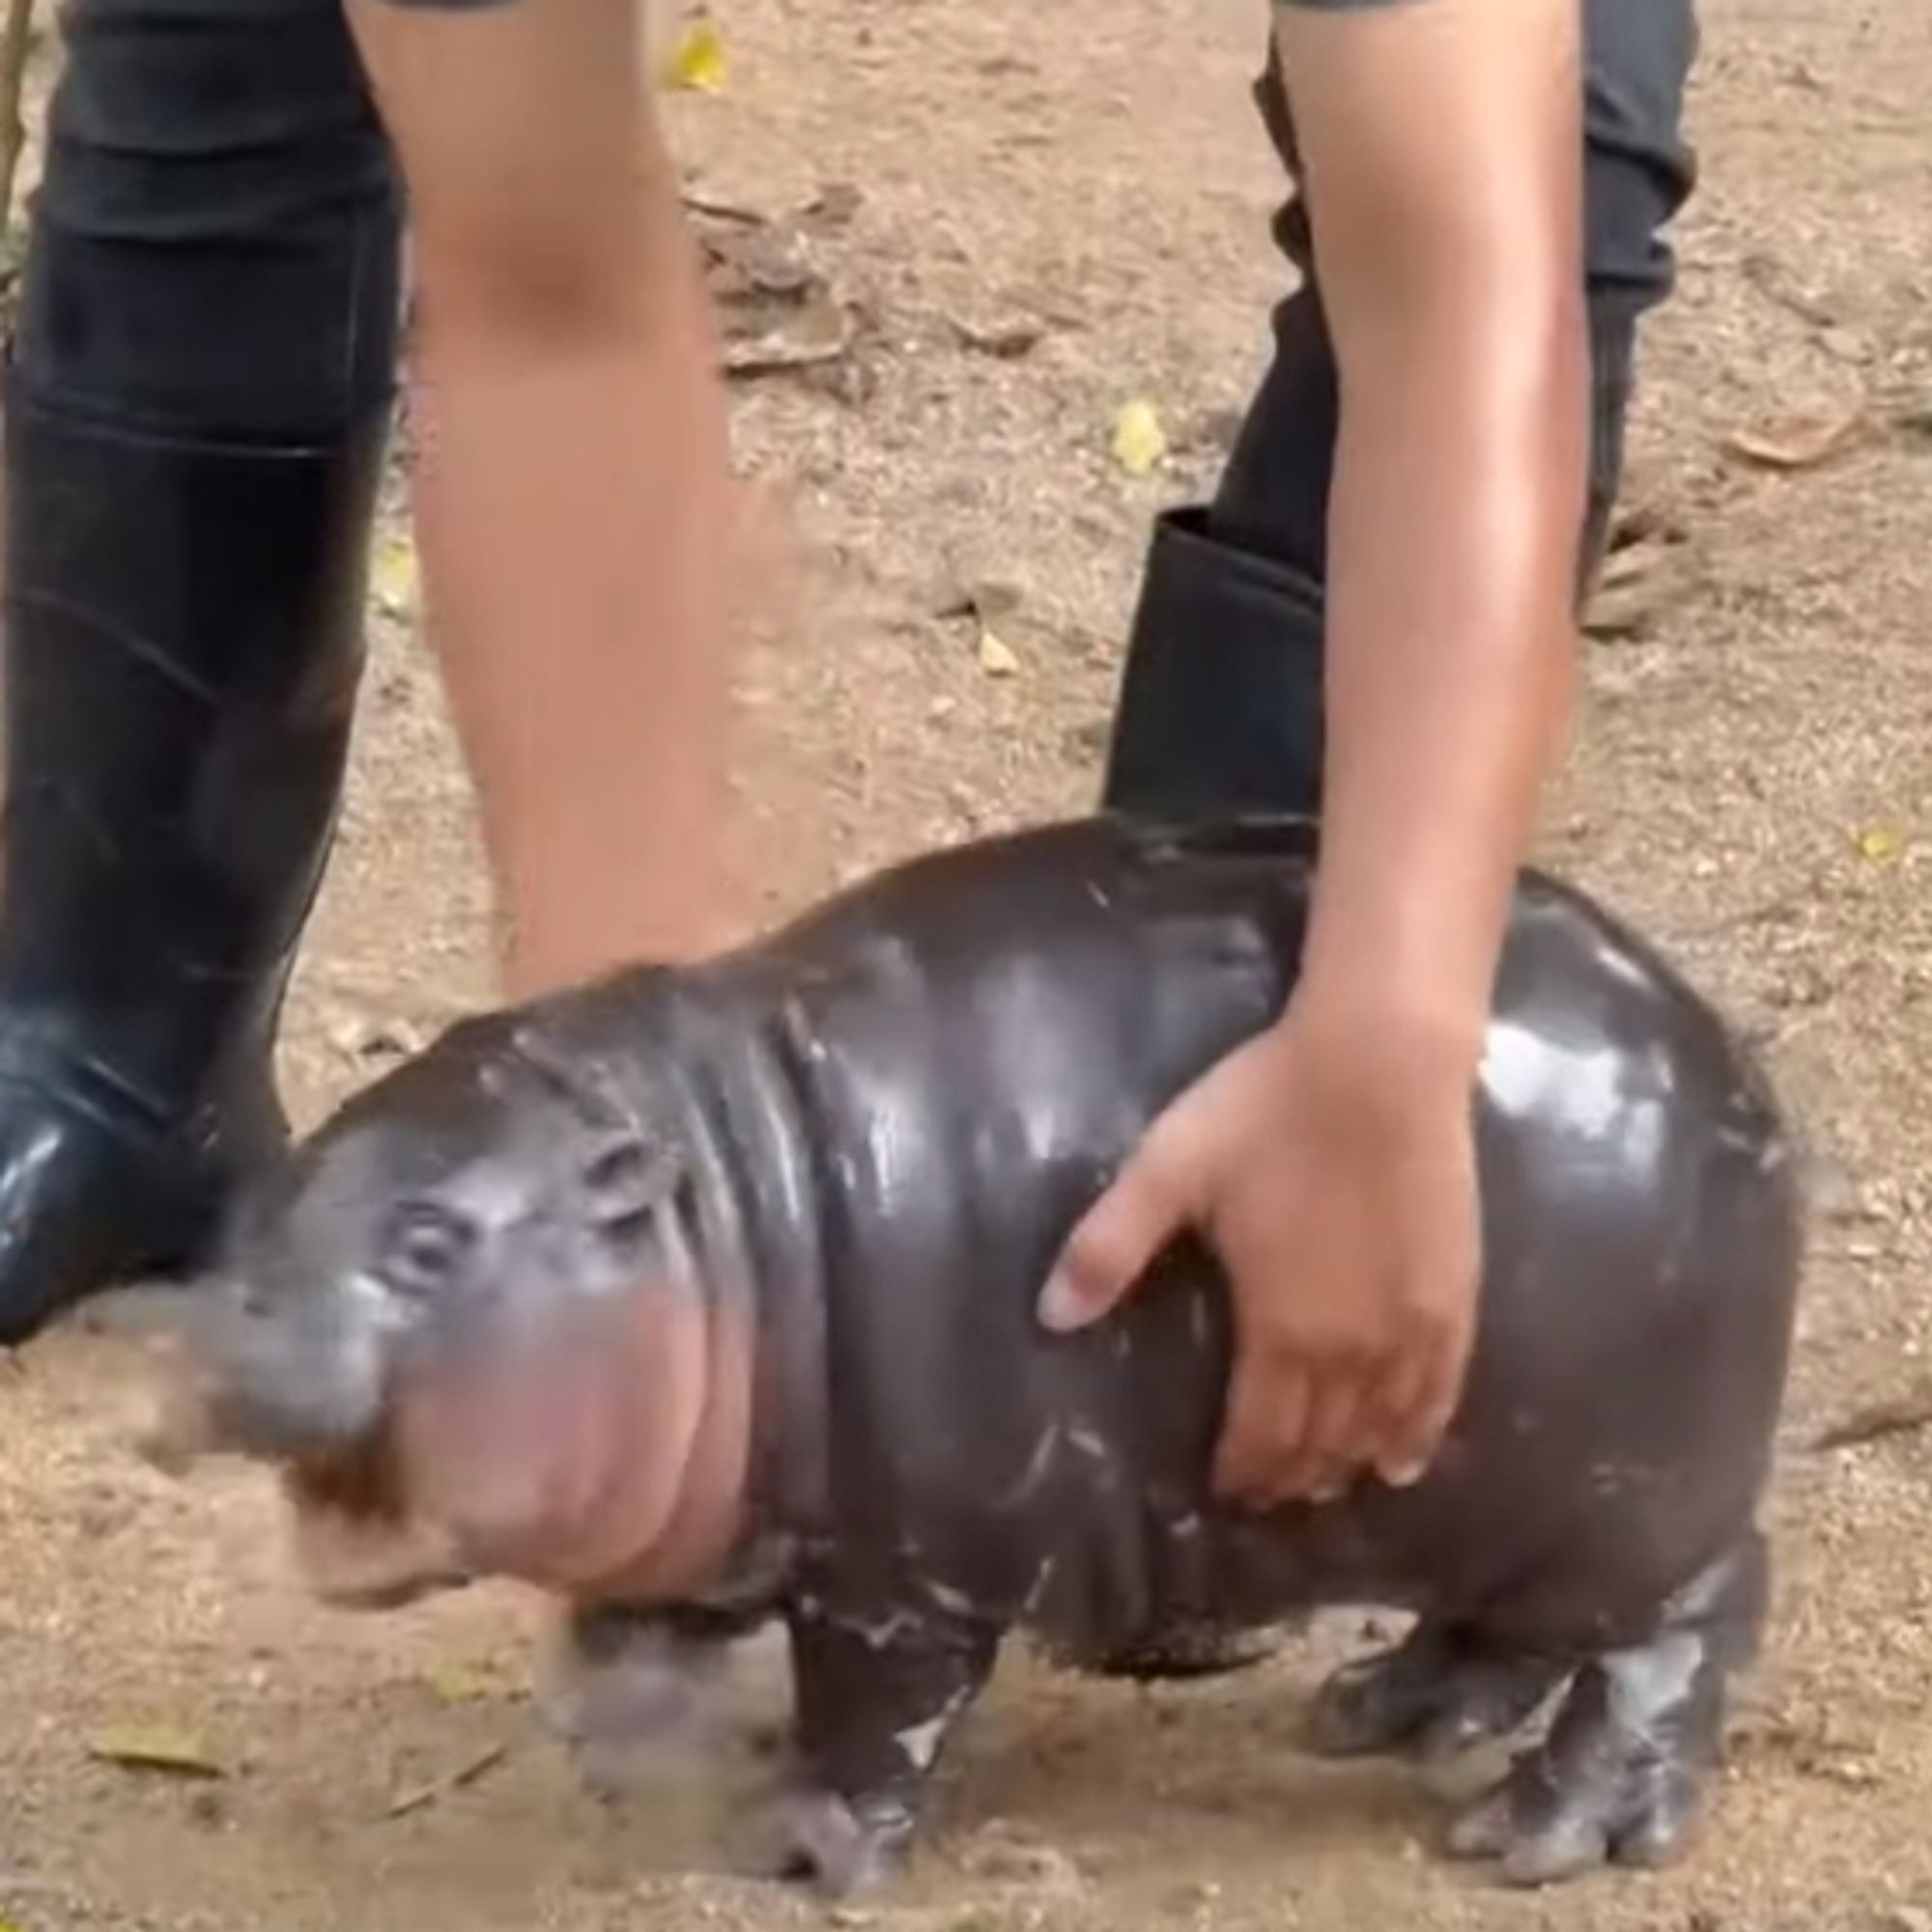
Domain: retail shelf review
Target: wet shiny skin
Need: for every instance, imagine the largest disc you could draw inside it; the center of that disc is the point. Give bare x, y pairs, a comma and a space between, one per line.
869, 1136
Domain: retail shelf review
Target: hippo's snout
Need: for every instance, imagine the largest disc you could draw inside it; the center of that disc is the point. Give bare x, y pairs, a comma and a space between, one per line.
283, 1378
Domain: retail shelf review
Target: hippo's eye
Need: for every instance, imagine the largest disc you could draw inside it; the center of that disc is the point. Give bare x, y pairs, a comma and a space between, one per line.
423, 1249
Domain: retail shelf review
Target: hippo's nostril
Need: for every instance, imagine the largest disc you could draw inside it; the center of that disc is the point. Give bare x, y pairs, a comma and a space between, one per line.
424, 1248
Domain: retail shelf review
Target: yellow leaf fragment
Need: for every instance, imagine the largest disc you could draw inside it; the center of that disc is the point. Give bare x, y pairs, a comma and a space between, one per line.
1881, 845
474, 1682
1139, 439
156, 1748
697, 63
997, 657
395, 577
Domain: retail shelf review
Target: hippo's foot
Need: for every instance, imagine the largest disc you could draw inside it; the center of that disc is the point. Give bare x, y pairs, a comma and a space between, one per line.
1436, 1694
632, 1693
1622, 1773
840, 1849
878, 1690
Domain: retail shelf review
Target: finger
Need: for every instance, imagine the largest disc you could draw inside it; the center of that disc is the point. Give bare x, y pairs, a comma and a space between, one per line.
1329, 1453
1418, 1409
1397, 1405
1118, 1239
1267, 1417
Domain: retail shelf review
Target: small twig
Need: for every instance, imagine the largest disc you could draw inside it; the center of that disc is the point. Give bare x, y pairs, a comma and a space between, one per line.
16, 40
1901, 1415
464, 1774
720, 209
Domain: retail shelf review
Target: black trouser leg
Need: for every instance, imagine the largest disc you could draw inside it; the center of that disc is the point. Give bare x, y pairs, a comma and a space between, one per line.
197, 401
1221, 701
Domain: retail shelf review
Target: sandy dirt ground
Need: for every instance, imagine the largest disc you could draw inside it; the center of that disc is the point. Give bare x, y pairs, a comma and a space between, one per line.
994, 200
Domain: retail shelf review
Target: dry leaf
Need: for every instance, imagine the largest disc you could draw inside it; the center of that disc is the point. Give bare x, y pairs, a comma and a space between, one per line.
1139, 440
1901, 1416
997, 657
698, 62
1881, 845
818, 334
156, 1748
1637, 584
1005, 338
991, 600
468, 1683
835, 204
395, 577
1799, 442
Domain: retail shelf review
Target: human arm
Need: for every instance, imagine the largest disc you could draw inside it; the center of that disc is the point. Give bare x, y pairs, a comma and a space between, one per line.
572, 495
1331, 1162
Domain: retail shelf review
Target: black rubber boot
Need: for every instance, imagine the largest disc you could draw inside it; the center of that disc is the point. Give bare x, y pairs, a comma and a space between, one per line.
184, 644
1220, 704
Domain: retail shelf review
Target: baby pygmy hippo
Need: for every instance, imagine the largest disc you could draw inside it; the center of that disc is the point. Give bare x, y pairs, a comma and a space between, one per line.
705, 1297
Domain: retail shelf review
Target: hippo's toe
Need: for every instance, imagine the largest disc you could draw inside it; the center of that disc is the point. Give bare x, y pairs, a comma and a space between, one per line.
838, 1849
1541, 1830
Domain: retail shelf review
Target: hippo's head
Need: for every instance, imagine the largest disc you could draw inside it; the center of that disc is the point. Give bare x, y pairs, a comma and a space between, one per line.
470, 1320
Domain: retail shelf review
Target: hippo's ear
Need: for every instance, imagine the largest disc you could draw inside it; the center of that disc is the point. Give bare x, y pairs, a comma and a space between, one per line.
627, 1179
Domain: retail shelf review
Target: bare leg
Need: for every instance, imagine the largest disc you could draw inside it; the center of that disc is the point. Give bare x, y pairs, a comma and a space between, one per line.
573, 495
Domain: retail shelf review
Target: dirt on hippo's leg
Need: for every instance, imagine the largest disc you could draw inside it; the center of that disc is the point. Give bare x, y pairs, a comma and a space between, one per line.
1622, 1773
1439, 1692
877, 1697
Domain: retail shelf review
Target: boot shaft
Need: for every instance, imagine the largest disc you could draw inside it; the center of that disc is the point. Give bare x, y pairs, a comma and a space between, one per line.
182, 650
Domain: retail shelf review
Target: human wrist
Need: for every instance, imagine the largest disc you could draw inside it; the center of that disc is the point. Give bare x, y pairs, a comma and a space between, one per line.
1404, 1033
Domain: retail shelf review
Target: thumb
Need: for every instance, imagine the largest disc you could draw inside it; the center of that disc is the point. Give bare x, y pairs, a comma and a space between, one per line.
1118, 1239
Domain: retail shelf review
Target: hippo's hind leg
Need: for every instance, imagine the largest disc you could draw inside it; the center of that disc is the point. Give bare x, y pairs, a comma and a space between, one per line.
1442, 1692
876, 1698
1622, 1771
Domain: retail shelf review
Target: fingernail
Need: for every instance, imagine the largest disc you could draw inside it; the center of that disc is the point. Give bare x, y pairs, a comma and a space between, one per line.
1405, 1475
1061, 1307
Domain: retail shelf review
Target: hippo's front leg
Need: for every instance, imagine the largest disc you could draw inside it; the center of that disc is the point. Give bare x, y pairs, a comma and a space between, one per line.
630, 1689
876, 1695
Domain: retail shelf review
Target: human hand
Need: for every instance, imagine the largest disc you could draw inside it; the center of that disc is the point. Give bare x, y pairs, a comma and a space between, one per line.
1333, 1172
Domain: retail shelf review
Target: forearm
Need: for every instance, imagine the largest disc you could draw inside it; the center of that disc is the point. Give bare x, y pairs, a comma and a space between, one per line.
572, 493
1450, 245
1454, 523
572, 501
